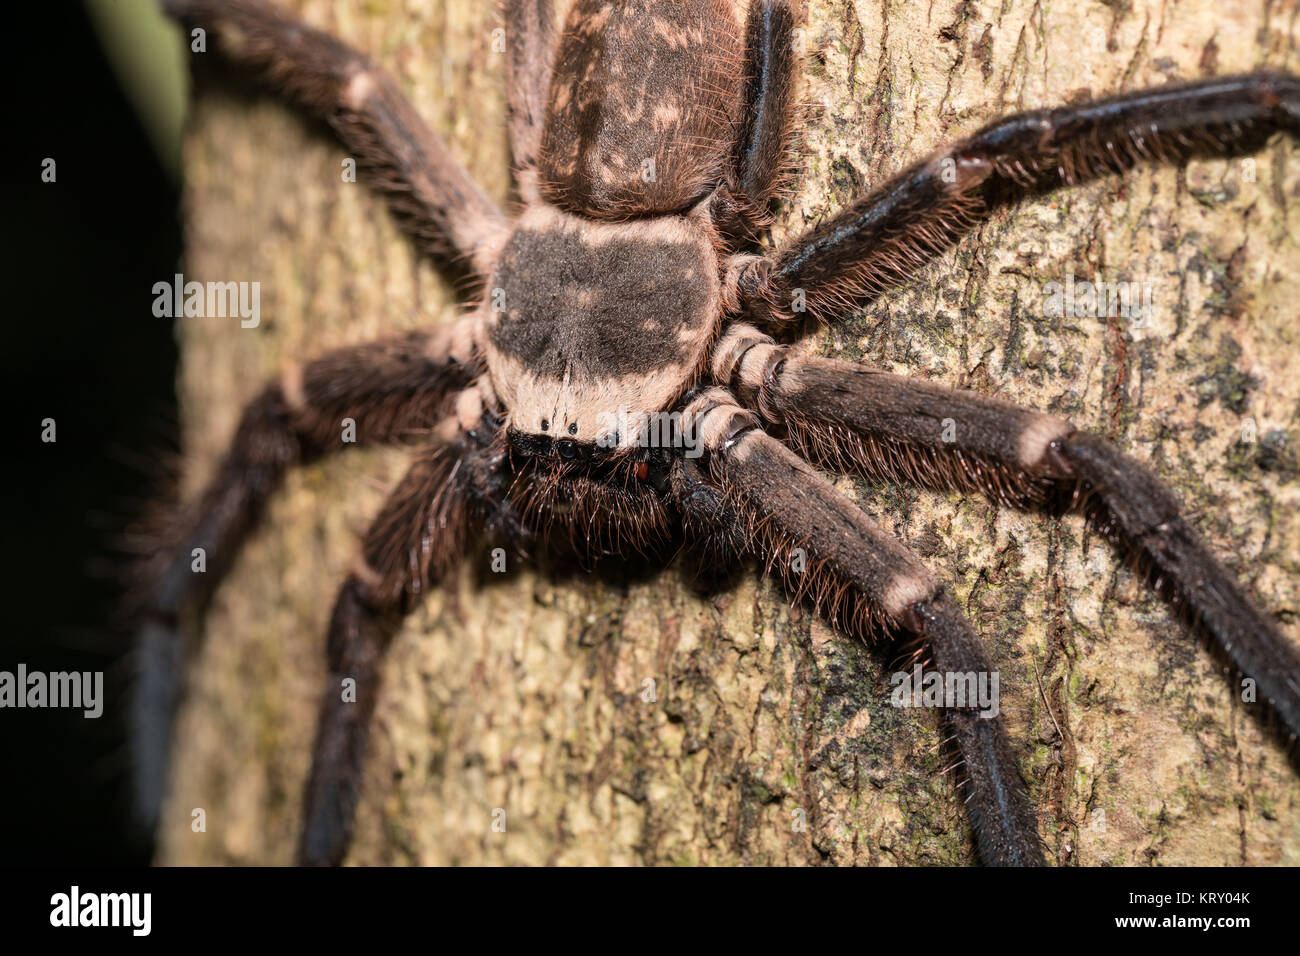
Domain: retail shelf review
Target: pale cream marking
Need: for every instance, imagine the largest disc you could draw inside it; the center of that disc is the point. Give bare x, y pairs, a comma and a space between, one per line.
675, 37
291, 387
683, 230
709, 425
607, 173
465, 338
754, 363
485, 389
360, 87
686, 336
597, 407
439, 345
469, 408
907, 588
664, 30
596, 22
528, 180
716, 425
486, 240
633, 113
738, 10
667, 115
560, 101
735, 339
1034, 439
960, 174
447, 430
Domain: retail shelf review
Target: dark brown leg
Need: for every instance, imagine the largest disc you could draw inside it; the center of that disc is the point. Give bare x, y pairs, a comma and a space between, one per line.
764, 156
392, 390
856, 573
530, 39
429, 192
885, 237
892, 427
423, 530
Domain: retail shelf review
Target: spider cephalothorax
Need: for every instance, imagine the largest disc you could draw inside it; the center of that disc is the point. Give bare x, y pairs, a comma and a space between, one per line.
592, 327
625, 382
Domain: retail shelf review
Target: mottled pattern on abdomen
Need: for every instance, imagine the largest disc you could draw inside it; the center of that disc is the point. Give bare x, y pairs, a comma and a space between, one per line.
643, 103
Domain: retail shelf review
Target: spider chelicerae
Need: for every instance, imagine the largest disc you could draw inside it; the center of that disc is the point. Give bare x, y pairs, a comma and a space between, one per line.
624, 383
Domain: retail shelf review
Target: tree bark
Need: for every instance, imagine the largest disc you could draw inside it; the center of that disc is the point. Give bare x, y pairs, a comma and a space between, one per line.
645, 722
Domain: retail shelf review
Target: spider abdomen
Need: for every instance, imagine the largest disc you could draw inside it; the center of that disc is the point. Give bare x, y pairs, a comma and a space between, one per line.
641, 107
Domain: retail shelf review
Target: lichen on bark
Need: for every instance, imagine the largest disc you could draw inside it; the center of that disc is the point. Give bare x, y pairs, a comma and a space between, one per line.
765, 737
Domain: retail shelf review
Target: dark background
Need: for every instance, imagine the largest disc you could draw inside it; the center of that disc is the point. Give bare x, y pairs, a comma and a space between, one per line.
81, 346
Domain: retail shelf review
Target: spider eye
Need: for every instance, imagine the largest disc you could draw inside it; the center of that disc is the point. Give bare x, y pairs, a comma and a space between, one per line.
545, 425
567, 448
573, 428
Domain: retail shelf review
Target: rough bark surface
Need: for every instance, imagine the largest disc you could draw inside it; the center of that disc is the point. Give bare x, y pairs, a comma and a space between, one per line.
768, 738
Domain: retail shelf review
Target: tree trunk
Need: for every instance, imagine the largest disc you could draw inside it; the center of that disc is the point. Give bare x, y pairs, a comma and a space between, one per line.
645, 722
